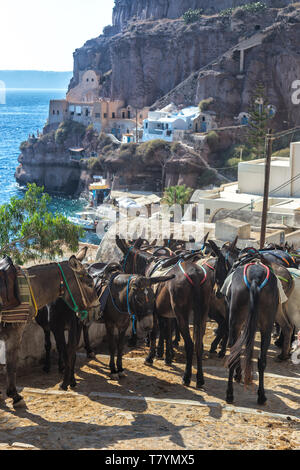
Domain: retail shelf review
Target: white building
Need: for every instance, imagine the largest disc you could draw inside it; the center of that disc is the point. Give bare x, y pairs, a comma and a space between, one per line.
163, 124
246, 194
284, 175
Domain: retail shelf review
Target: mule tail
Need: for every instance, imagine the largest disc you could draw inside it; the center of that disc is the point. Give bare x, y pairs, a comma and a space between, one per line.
247, 337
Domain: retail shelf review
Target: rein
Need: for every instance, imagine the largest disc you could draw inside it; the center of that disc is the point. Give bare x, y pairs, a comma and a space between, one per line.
83, 313
264, 283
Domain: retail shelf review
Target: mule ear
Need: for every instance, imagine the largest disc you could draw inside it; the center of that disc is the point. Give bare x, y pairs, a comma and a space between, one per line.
216, 250
233, 244
138, 243
121, 244
203, 241
82, 253
75, 264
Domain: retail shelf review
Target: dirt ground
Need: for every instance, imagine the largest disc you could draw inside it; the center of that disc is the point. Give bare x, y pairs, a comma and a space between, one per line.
151, 409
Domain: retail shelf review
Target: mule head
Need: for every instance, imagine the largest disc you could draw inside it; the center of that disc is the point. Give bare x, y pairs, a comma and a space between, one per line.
221, 266
85, 292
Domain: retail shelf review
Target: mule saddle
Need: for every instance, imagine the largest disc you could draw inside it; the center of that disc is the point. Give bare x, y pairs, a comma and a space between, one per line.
8, 285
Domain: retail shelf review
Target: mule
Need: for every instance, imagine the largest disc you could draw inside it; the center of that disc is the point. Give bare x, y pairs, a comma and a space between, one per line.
126, 292
47, 285
189, 293
253, 302
131, 297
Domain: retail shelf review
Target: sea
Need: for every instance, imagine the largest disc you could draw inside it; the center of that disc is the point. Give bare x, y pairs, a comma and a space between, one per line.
23, 113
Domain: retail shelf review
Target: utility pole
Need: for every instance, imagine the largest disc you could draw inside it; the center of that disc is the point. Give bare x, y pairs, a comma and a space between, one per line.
136, 126
269, 140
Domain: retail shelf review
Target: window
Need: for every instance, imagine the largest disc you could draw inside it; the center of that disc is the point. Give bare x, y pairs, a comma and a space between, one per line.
105, 115
53, 111
123, 115
87, 79
57, 112
97, 115
128, 114
113, 115
87, 113
207, 211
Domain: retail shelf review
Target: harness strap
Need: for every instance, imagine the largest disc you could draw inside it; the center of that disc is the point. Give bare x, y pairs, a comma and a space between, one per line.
263, 283
75, 308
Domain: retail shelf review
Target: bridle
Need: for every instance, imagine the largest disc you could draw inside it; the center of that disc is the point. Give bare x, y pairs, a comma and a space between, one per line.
82, 314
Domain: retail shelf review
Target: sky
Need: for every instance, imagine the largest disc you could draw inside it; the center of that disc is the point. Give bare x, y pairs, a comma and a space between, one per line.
42, 34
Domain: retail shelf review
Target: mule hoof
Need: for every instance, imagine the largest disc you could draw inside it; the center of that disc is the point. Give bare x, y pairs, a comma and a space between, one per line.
91, 355
63, 387
281, 358
200, 387
159, 355
261, 401
168, 362
186, 382
19, 403
229, 400
221, 355
121, 374
73, 385
148, 362
114, 376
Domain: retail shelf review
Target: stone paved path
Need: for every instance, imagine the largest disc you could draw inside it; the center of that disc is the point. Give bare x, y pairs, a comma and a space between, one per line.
100, 415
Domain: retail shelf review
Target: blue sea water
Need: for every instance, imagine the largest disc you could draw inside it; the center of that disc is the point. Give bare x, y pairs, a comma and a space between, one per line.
25, 112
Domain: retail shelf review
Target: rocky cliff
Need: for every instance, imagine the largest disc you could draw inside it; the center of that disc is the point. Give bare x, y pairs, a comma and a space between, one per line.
150, 50
126, 10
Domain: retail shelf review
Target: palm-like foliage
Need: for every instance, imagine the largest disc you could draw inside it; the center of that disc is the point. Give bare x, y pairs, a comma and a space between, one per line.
177, 195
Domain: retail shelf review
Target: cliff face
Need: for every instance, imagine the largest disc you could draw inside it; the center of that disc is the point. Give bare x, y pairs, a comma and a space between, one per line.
126, 10
275, 62
150, 50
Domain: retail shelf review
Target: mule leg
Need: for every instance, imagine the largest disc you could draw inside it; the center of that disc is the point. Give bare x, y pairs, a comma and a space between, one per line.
150, 358
262, 362
169, 345
189, 348
59, 335
234, 330
120, 349
47, 365
73, 341
112, 350
89, 351
12, 345
177, 334
162, 336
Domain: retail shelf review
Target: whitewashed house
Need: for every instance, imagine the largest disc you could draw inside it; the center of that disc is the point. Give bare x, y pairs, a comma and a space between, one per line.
163, 124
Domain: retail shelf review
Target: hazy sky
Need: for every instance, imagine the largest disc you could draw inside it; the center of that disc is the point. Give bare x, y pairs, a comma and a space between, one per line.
43, 34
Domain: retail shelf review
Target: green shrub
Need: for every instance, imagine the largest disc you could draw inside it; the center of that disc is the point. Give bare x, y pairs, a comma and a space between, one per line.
255, 7
206, 178
94, 164
191, 16
212, 140
68, 129
204, 105
24, 145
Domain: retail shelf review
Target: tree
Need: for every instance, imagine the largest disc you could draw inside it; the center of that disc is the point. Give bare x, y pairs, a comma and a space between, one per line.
29, 231
259, 116
177, 195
